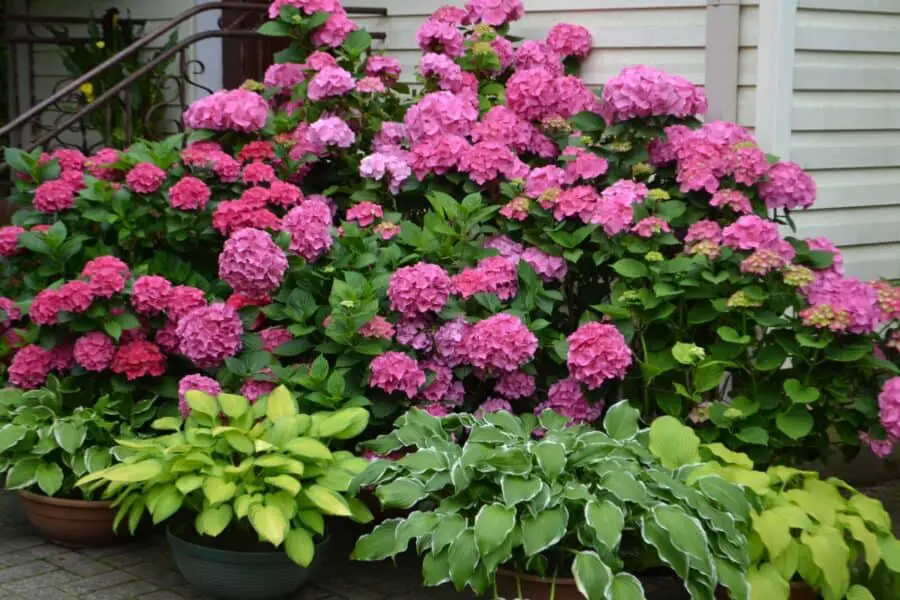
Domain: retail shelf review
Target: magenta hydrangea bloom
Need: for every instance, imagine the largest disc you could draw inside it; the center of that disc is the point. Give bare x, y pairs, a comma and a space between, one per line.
889, 407
330, 82
788, 186
189, 193
733, 199
182, 300
598, 352
150, 294
396, 372
439, 36
582, 200
843, 305
251, 263
751, 232
487, 161
30, 366
450, 341
70, 159
438, 155
502, 125
9, 312
385, 68
284, 76
534, 94
505, 246
494, 12
639, 92
209, 335
544, 178
145, 178
275, 337
413, 330
365, 213
650, 226
440, 113
284, 194
493, 275
378, 327
549, 268
54, 196
443, 69
567, 40
231, 110
138, 358
515, 385
585, 166
257, 172
566, 398
62, 358
199, 383
94, 351
9, 240
419, 289
492, 405
442, 382
501, 342
533, 54
331, 131
45, 307
309, 225
254, 389
106, 275
99, 164
880, 448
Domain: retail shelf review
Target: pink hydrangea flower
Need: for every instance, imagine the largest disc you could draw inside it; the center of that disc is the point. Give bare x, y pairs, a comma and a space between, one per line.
438, 155
309, 226
150, 294
386, 230
501, 342
419, 289
209, 335
505, 246
254, 389
549, 268
413, 330
54, 196
199, 383
138, 358
396, 372
145, 178
378, 327
880, 448
235, 215
567, 40
440, 113
9, 312
100, 163
597, 353
494, 12
251, 263
615, 211
450, 341
585, 166
439, 36
502, 125
704, 230
441, 67
331, 131
62, 358
534, 54
284, 194
733, 199
189, 193
889, 407
765, 260
106, 275
257, 172
534, 94
486, 161
231, 110
29, 367
74, 179
441, 383
821, 244
330, 82
378, 165
370, 85
226, 168
788, 186
182, 300
365, 213
385, 68
77, 296
166, 338
493, 275
492, 405
94, 351
284, 76
566, 398
639, 92
650, 226
335, 30
843, 305
9, 240
69, 159
581, 200
275, 337
515, 385
751, 232
544, 178
516, 209
256, 150
45, 307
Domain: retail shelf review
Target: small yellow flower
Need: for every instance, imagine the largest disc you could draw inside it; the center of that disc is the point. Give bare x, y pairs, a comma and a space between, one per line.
658, 194
482, 49
87, 90
252, 85
100, 44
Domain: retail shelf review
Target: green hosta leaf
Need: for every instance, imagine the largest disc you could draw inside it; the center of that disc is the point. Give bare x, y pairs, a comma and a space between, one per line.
214, 519
493, 524
448, 528
687, 535
728, 456
858, 592
352, 421
189, 483
240, 442
734, 578
511, 461
731, 497
401, 493
284, 482
69, 436
773, 530
379, 544
551, 458
463, 558
202, 403
621, 420
767, 584
607, 520
518, 489
280, 403
890, 552
313, 520
49, 478
10, 435
544, 530
657, 537
625, 487
217, 490
308, 448
233, 405
269, 523
167, 424
871, 510
673, 443
327, 500
626, 586
592, 576
416, 526
299, 546
832, 555
424, 460
800, 393
143, 470
436, 569
797, 423
630, 268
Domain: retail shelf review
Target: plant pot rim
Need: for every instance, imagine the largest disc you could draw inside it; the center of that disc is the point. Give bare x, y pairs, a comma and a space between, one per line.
231, 555
534, 578
67, 502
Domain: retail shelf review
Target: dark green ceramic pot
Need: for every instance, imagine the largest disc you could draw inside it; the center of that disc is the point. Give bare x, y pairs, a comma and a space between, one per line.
234, 575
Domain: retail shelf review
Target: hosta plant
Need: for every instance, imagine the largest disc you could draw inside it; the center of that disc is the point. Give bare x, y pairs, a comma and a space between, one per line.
822, 532
243, 473
536, 496
46, 445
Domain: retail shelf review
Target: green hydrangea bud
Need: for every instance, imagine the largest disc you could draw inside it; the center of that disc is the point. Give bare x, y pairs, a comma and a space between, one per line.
653, 256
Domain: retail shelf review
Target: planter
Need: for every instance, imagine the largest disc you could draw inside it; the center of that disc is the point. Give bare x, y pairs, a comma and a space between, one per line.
235, 575
71, 523
534, 588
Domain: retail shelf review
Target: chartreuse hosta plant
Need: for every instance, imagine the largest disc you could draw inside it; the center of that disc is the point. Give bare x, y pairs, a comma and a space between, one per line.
45, 446
825, 533
250, 471
536, 496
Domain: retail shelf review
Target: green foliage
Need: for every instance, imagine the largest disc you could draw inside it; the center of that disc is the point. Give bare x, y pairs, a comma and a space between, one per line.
46, 444
597, 505
264, 470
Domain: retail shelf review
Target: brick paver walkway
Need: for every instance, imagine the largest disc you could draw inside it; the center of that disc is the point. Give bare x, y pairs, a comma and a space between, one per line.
31, 569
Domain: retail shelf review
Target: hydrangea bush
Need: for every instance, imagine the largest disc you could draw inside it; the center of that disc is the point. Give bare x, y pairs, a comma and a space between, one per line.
499, 237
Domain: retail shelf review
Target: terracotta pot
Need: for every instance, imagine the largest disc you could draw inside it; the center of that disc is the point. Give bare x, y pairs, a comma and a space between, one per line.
71, 523
509, 583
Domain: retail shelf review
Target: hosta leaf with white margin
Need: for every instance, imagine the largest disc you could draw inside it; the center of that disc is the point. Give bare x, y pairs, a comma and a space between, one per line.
69, 436
688, 536
10, 435
626, 586
519, 489
49, 477
657, 537
449, 526
733, 578
463, 558
621, 420
544, 530
401, 493
593, 577
551, 458
607, 521
379, 544
493, 524
424, 460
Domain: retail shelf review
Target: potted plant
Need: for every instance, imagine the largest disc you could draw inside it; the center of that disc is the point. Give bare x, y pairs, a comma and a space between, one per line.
813, 538
45, 446
246, 489
526, 507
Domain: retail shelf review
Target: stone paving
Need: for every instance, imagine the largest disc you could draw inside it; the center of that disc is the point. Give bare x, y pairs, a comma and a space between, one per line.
31, 569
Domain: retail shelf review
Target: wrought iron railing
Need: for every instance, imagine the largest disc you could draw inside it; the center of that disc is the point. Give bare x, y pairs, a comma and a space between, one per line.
31, 128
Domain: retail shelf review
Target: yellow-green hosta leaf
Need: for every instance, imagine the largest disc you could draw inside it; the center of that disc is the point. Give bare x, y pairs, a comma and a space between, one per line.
890, 550
858, 592
872, 511
300, 547
233, 405
284, 463
313, 519
861, 534
217, 490
356, 420
189, 483
767, 584
359, 511
773, 530
284, 482
167, 424
280, 404
165, 504
243, 503
202, 403
674, 443
269, 523
328, 501
284, 501
728, 456
308, 448
214, 519
240, 442
143, 470
832, 555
